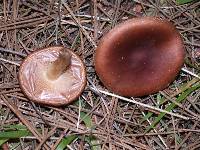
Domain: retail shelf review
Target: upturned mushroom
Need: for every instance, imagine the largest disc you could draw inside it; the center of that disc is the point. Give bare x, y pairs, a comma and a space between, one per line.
52, 76
140, 56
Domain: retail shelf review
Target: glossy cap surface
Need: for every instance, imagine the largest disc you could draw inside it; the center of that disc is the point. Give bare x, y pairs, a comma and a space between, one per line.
140, 56
38, 88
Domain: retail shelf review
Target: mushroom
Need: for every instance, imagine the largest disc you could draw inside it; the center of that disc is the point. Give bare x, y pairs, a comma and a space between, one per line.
140, 56
52, 76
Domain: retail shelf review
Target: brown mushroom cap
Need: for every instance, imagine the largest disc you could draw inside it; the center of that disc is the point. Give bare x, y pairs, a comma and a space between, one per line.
140, 56
39, 88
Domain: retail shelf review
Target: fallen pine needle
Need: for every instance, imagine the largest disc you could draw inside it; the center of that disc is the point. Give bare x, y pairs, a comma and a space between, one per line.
141, 104
191, 73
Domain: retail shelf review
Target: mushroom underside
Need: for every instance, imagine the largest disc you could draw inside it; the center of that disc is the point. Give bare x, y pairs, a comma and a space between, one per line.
37, 85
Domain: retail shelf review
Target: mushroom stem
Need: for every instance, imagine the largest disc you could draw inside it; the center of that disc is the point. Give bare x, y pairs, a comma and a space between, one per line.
57, 67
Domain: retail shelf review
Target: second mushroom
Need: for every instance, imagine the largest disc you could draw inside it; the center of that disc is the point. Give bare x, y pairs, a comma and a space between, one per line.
140, 56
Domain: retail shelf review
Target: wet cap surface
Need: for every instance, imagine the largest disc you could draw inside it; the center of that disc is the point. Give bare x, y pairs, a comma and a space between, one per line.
140, 56
36, 85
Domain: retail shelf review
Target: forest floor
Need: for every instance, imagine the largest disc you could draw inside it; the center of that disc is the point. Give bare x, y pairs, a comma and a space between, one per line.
95, 120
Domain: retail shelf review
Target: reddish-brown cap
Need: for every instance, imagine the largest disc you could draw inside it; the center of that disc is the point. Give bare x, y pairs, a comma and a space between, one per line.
39, 88
140, 56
